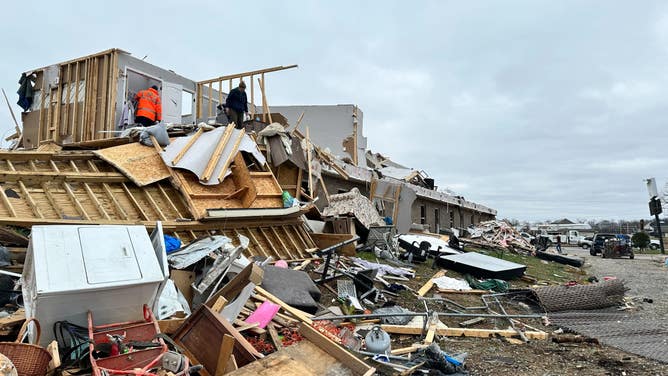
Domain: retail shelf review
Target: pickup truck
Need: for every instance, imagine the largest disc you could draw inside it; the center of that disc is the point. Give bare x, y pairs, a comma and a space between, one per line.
586, 243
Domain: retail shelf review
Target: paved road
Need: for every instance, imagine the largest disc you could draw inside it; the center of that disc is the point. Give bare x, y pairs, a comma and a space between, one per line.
645, 276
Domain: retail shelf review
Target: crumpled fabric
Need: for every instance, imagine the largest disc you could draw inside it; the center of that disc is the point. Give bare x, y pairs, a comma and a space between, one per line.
394, 320
158, 131
382, 268
447, 283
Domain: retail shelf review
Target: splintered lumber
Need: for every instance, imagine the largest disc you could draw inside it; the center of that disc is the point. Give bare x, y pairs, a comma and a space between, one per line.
463, 332
226, 348
301, 315
231, 156
274, 336
430, 283
338, 352
217, 153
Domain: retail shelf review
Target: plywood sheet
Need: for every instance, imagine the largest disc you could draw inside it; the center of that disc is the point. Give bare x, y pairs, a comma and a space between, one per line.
141, 164
301, 359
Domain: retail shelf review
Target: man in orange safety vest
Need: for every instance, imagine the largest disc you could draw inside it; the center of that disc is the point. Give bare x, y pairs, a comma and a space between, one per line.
149, 107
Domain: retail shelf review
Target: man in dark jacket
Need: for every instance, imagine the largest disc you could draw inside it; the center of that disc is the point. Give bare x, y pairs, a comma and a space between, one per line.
237, 104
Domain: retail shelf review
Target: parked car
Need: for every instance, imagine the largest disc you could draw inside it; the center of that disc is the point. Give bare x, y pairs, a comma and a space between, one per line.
654, 244
598, 242
586, 242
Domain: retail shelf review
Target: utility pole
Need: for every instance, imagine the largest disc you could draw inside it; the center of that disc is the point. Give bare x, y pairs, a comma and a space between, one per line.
655, 208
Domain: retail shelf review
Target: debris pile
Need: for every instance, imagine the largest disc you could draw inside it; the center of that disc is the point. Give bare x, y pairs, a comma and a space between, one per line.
498, 235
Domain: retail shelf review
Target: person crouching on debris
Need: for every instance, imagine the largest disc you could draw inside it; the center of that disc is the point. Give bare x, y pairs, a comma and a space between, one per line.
237, 105
559, 243
149, 107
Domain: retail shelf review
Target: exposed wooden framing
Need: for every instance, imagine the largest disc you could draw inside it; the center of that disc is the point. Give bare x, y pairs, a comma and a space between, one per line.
109, 193
253, 239
89, 191
134, 202
209, 109
307, 239
229, 85
154, 205
301, 238
169, 200
395, 212
271, 245
286, 248
54, 134
86, 99
75, 201
94, 110
231, 156
217, 153
93, 177
114, 88
75, 105
249, 73
68, 92
287, 233
5, 200
24, 191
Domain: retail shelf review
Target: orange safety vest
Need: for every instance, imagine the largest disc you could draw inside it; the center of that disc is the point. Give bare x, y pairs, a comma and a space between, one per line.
149, 105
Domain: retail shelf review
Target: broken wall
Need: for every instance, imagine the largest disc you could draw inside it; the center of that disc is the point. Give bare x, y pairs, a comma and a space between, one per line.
336, 127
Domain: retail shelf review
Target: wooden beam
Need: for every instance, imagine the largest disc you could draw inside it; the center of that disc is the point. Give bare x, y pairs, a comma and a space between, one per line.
430, 283
75, 201
226, 348
89, 191
112, 197
217, 153
342, 355
271, 245
93, 177
134, 202
5, 200
232, 155
308, 161
301, 315
249, 73
286, 248
185, 149
274, 336
463, 332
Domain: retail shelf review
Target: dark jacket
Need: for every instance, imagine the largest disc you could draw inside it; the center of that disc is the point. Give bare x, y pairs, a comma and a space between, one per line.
25, 92
237, 100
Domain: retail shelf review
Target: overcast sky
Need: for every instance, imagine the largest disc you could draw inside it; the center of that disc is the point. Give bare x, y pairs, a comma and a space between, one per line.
539, 109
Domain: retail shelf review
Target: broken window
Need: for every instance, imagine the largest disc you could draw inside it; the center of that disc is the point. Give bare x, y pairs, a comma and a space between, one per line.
423, 214
437, 222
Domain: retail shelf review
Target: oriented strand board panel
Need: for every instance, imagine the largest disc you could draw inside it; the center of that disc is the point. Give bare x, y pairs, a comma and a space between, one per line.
301, 359
141, 164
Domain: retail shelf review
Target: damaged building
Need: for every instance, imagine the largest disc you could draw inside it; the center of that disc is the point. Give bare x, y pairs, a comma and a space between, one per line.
340, 129
227, 208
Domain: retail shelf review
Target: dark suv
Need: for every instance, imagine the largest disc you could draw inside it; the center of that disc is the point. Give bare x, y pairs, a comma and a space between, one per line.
598, 243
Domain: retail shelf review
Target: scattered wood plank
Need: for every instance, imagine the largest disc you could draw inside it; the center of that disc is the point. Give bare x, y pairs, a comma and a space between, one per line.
141, 164
274, 336
430, 283
226, 348
471, 322
301, 315
463, 332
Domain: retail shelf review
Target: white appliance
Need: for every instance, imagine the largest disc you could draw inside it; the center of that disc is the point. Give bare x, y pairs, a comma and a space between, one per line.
110, 270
